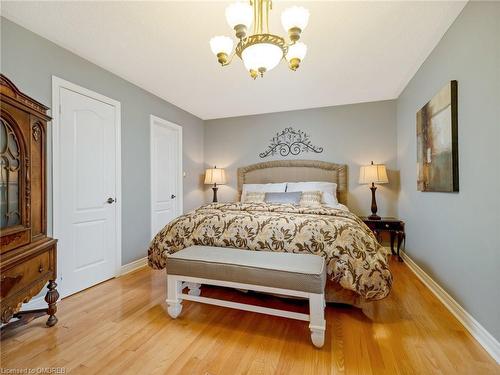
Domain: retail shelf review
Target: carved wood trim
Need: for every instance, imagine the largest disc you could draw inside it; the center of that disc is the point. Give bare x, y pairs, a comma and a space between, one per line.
37, 131
8, 88
13, 303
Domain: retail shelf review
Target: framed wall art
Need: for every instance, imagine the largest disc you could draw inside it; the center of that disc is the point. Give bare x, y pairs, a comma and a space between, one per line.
437, 142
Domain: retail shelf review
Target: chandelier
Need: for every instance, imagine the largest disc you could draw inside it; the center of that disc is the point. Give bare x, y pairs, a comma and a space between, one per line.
261, 51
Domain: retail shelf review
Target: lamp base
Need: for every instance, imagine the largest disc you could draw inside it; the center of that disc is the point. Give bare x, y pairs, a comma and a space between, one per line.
215, 193
374, 215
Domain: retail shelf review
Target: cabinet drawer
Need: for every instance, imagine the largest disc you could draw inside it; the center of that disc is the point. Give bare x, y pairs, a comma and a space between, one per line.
27, 271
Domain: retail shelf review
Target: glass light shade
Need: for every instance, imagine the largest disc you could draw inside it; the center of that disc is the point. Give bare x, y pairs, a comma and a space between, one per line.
240, 13
297, 50
261, 55
222, 44
295, 17
215, 176
375, 173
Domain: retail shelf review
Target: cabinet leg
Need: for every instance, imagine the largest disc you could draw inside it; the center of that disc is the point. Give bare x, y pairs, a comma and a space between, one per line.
51, 298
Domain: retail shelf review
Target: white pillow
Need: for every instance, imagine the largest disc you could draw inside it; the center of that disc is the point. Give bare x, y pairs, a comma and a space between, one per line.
329, 190
262, 188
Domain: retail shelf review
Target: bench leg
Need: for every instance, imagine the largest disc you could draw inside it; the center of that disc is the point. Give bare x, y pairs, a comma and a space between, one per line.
173, 293
194, 289
317, 323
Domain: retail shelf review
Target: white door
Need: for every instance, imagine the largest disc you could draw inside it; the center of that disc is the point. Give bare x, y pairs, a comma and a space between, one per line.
166, 173
87, 190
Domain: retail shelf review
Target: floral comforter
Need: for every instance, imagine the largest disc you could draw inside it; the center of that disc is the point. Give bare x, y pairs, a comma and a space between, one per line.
353, 256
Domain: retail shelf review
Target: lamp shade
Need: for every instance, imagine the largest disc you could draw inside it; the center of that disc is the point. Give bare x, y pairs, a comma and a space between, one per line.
240, 13
262, 56
374, 173
296, 51
221, 44
295, 17
215, 176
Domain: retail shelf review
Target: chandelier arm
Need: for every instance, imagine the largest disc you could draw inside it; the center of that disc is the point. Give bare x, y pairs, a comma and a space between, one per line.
230, 59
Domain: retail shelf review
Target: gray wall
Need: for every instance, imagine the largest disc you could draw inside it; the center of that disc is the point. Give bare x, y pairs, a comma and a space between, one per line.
352, 134
453, 236
30, 61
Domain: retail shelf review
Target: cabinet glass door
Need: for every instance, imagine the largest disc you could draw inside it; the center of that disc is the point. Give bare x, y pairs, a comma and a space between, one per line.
10, 173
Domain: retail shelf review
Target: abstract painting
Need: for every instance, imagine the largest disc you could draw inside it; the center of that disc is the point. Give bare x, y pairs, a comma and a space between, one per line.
437, 142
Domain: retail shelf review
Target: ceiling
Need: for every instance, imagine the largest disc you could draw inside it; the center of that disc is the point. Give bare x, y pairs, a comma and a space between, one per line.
357, 51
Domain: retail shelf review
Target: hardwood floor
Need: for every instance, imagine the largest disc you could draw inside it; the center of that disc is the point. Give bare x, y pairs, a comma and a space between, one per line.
121, 327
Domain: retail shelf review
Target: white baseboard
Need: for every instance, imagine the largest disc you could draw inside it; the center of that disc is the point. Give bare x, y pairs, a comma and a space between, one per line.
485, 339
132, 266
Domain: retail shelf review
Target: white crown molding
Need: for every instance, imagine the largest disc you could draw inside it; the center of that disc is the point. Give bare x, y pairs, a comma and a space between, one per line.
483, 337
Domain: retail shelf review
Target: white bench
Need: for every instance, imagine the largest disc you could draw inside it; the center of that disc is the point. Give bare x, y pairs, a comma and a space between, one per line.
298, 275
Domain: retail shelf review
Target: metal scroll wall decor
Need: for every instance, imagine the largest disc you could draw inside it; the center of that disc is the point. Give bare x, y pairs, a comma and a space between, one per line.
290, 142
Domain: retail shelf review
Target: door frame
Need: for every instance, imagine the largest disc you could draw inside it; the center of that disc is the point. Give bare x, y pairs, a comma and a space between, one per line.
167, 124
57, 85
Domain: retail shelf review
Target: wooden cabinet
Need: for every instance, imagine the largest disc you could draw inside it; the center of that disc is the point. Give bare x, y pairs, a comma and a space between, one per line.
27, 256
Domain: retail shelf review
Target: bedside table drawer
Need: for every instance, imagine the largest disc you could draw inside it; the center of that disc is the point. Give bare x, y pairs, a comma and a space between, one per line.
384, 225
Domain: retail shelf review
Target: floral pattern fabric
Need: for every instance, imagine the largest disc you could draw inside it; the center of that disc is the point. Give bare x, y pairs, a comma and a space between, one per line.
353, 256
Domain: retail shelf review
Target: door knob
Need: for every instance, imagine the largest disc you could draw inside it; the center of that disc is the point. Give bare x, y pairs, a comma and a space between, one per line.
172, 196
110, 200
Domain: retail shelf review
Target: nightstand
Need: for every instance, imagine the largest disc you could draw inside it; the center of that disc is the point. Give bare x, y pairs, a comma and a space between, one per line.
394, 226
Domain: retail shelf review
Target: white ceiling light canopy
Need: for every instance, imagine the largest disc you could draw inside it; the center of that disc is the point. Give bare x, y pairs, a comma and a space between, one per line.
262, 51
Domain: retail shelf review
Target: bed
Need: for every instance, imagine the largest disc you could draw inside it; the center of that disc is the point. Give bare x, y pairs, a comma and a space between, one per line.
357, 264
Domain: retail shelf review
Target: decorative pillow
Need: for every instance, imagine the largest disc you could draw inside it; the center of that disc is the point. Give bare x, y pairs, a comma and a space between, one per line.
292, 198
262, 188
254, 197
311, 198
329, 190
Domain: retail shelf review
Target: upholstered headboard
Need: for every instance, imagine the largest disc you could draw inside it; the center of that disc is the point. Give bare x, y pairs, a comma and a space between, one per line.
295, 171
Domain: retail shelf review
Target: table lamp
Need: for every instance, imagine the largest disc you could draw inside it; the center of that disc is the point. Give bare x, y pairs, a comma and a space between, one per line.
373, 174
215, 176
